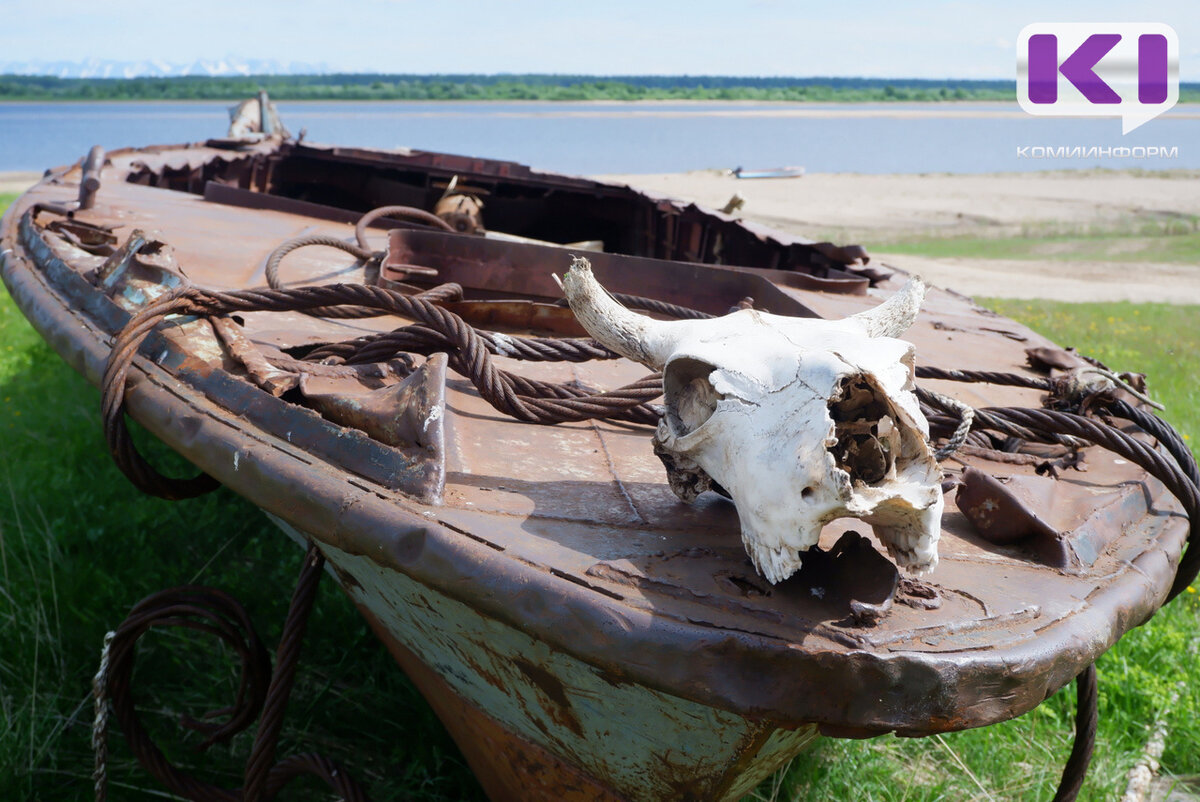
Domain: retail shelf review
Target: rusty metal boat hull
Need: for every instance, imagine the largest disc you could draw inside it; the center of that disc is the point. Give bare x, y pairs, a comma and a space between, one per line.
581, 633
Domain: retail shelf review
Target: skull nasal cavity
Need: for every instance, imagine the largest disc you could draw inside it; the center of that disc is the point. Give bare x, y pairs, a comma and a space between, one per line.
868, 441
691, 398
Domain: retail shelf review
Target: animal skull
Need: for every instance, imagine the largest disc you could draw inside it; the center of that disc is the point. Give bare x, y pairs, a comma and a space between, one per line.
800, 421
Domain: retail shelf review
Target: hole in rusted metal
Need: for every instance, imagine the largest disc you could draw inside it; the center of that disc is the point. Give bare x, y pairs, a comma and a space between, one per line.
742, 585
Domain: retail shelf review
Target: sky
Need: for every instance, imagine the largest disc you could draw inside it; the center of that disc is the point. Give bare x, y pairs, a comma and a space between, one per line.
947, 39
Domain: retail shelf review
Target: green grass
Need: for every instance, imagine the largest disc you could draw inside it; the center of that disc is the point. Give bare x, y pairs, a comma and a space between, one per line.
1175, 240
1181, 248
78, 546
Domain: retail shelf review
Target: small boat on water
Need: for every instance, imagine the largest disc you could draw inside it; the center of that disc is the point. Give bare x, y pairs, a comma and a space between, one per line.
415, 401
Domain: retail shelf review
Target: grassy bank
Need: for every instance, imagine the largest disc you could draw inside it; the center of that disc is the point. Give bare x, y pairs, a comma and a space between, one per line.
78, 546
1144, 239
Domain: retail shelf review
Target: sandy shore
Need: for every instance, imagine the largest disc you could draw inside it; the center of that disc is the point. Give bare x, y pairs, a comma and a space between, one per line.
17, 182
873, 209
1140, 282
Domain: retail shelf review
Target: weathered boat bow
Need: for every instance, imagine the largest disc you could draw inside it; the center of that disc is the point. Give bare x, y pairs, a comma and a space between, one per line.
580, 632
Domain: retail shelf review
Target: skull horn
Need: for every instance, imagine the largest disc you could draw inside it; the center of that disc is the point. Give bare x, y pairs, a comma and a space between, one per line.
893, 317
629, 334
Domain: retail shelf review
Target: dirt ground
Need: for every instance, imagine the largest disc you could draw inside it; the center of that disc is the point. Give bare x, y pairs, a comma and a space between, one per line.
17, 182
888, 208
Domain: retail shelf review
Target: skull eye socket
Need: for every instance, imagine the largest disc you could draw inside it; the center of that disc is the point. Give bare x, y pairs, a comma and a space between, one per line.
691, 397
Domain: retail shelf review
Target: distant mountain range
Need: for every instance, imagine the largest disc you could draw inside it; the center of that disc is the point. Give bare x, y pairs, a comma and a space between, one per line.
153, 68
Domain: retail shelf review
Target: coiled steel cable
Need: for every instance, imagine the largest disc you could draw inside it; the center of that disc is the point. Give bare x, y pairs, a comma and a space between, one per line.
262, 693
112, 406
363, 254
409, 213
1161, 431
984, 376
1087, 717
470, 356
422, 339
327, 240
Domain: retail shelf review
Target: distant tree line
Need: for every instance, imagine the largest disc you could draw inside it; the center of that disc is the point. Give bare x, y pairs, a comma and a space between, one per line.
369, 86
498, 87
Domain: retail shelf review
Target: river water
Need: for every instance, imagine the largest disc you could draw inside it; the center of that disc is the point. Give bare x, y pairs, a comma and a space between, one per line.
593, 138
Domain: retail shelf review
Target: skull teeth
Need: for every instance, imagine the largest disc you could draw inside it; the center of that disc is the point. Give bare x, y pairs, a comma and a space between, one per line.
913, 542
775, 564
777, 560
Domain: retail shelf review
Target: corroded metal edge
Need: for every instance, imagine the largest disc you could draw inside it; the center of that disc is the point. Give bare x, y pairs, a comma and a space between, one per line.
911, 696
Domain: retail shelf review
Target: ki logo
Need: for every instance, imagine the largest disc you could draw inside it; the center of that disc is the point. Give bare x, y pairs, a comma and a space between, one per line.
1121, 69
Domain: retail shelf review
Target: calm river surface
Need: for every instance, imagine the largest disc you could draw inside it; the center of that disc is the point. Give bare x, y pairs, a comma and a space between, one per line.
592, 138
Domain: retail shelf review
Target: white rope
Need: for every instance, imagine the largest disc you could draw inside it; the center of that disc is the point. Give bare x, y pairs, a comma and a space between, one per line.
100, 722
1124, 385
966, 415
1142, 774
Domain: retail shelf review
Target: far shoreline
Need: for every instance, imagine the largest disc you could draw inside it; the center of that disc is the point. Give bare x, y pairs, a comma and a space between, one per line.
683, 108
766, 106
555, 102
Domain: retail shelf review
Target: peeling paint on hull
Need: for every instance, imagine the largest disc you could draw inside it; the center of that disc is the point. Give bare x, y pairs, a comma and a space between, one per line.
645, 744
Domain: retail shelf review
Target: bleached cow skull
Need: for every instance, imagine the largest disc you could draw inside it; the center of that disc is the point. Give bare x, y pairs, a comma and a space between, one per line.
801, 421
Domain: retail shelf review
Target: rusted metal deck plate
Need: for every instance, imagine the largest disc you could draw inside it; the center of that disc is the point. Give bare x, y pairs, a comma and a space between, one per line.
569, 533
